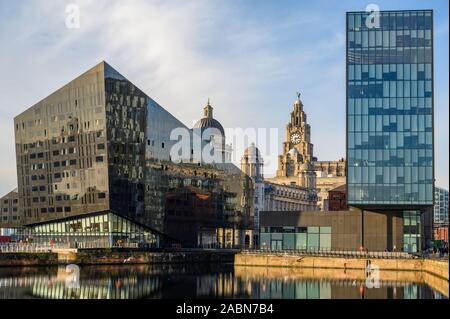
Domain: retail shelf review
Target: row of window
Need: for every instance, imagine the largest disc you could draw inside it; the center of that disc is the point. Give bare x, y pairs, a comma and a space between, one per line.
390, 141
14, 217
98, 159
390, 72
387, 193
361, 56
392, 106
8, 201
412, 125
400, 158
386, 38
390, 175
62, 140
390, 89
406, 20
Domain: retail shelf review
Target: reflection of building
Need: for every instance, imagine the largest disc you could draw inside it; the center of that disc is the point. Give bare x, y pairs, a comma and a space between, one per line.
337, 198
390, 117
252, 164
101, 144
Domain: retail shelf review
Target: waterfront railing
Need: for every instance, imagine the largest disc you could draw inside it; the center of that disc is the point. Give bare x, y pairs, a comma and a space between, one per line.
332, 253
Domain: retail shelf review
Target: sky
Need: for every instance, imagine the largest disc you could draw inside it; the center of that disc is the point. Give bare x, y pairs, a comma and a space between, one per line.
249, 57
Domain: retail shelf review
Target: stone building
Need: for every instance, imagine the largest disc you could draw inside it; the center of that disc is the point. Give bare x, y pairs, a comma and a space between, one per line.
211, 131
329, 175
295, 182
252, 164
279, 197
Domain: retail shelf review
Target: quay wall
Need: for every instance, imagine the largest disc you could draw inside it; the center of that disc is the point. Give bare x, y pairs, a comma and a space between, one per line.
102, 257
111, 257
28, 259
436, 267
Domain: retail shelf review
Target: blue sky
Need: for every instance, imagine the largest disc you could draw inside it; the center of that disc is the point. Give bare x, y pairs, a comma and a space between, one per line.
249, 57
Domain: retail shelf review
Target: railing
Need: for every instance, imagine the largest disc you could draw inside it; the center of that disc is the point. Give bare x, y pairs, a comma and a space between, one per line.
29, 248
332, 253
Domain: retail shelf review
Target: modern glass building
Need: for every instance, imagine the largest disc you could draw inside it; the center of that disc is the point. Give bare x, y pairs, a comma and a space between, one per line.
99, 143
95, 230
390, 110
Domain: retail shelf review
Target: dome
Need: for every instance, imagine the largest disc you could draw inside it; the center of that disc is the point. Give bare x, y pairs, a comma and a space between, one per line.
252, 151
208, 122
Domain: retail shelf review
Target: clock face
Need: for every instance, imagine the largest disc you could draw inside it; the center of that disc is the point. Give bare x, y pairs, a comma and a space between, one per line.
295, 138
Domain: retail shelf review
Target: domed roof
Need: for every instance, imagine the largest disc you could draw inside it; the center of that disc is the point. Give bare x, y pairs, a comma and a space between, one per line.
252, 150
252, 155
208, 121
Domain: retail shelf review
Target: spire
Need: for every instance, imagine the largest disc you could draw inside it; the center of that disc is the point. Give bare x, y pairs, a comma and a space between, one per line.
208, 110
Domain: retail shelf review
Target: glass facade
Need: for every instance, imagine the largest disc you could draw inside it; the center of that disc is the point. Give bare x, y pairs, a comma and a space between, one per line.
103, 230
100, 143
296, 238
390, 108
411, 231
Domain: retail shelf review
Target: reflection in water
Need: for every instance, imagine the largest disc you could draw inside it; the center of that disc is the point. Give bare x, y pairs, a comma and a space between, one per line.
212, 281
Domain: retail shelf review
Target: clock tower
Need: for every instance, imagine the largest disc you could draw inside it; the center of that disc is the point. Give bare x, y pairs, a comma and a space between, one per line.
297, 147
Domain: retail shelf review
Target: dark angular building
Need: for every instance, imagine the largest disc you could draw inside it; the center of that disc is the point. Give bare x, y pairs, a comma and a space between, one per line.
100, 144
390, 117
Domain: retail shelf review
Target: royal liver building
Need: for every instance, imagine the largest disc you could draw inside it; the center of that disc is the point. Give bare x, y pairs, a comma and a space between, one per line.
301, 182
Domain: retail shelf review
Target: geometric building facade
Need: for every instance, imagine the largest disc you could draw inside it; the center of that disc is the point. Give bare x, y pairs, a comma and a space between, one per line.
101, 144
390, 112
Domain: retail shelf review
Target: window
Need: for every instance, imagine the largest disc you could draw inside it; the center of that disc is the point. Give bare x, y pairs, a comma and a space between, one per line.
99, 159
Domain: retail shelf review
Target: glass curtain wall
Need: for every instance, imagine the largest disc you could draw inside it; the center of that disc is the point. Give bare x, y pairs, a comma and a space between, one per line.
101, 231
390, 108
312, 238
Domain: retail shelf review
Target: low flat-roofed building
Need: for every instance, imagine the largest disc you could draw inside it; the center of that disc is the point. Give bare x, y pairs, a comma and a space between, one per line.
335, 230
102, 229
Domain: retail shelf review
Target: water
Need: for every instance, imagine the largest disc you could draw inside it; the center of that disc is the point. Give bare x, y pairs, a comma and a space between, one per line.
214, 281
